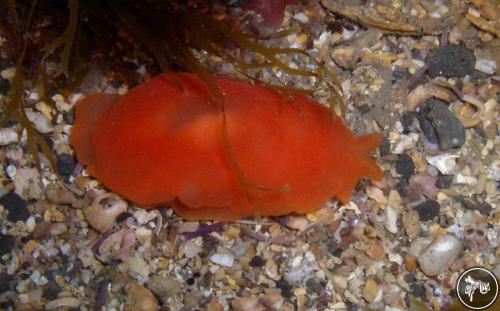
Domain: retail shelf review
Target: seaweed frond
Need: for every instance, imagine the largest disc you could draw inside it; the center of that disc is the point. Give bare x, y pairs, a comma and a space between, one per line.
15, 106
65, 40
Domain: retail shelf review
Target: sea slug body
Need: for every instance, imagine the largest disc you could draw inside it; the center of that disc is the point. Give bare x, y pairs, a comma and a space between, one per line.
162, 143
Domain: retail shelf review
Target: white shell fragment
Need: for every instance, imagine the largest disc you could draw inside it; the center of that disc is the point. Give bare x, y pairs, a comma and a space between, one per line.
488, 66
225, 260
445, 162
391, 220
7, 136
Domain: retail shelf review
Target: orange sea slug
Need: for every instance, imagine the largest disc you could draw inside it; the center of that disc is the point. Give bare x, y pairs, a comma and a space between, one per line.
162, 143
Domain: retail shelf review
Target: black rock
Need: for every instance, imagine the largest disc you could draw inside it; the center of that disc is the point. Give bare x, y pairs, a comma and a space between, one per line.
17, 207
417, 290
449, 130
65, 164
257, 261
7, 243
428, 210
450, 61
444, 181
5, 280
286, 289
405, 166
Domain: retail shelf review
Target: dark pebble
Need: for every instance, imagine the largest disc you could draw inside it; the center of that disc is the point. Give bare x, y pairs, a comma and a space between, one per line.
209, 243
65, 164
398, 75
7, 243
5, 280
4, 86
428, 210
405, 166
402, 187
410, 278
17, 207
449, 130
427, 129
315, 286
286, 289
51, 290
257, 261
450, 61
364, 109
385, 147
444, 181
407, 121
483, 208
417, 290
123, 217
69, 117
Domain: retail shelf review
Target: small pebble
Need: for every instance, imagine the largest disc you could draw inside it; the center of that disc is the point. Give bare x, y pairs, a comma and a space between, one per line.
51, 291
376, 251
7, 243
385, 147
407, 121
444, 181
7, 136
370, 291
245, 303
17, 207
483, 208
286, 288
5, 280
297, 223
405, 166
139, 298
4, 86
417, 290
445, 162
450, 61
225, 260
411, 223
427, 129
439, 255
137, 265
164, 287
448, 128
65, 164
391, 220
69, 117
428, 210
68, 302
257, 261
410, 263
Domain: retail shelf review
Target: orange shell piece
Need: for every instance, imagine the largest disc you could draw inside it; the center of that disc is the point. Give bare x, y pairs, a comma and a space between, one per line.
162, 143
